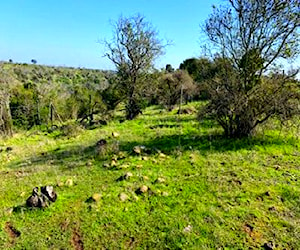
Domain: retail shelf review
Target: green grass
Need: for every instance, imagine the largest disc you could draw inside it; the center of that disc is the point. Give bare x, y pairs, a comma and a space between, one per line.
218, 193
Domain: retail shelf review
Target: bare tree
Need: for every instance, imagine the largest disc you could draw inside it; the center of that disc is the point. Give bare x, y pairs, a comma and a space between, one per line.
133, 50
251, 38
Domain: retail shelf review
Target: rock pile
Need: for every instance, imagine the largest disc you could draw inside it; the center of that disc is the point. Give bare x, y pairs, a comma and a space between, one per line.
43, 199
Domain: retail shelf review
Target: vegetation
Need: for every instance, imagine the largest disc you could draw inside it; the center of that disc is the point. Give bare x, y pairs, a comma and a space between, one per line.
161, 179
213, 192
133, 49
251, 37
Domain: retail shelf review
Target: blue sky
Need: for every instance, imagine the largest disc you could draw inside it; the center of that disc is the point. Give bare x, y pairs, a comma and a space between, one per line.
67, 32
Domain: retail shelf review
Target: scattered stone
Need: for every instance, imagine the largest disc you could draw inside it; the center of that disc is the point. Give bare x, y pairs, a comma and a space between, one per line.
113, 163
139, 166
9, 211
160, 180
41, 200
121, 155
145, 178
162, 155
142, 190
101, 142
123, 197
106, 165
165, 194
69, 182
187, 229
137, 150
115, 134
9, 149
126, 176
89, 164
268, 246
145, 158
49, 192
267, 193
96, 197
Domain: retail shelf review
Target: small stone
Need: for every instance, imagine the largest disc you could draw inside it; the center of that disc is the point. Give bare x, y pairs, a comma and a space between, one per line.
121, 155
160, 180
145, 178
128, 175
9, 211
69, 182
96, 197
123, 197
187, 229
165, 194
139, 166
113, 163
60, 184
268, 246
101, 143
143, 189
106, 165
115, 134
162, 155
89, 164
137, 150
145, 158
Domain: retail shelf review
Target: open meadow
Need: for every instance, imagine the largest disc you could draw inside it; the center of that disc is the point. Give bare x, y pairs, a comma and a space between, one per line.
161, 181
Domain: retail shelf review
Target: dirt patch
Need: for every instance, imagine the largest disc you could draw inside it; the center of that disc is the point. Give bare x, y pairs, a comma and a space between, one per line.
12, 232
76, 240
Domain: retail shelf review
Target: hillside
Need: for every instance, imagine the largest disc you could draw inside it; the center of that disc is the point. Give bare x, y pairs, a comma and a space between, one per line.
204, 191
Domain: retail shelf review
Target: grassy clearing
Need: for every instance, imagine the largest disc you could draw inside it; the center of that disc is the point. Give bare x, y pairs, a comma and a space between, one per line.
217, 193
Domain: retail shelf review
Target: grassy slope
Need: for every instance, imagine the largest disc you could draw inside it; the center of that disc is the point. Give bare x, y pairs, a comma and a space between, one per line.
218, 192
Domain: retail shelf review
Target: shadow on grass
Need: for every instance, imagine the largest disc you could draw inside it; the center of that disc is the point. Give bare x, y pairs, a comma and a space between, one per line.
205, 143
77, 156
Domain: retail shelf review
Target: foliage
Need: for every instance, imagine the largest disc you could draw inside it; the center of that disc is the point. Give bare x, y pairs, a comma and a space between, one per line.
251, 37
133, 49
174, 87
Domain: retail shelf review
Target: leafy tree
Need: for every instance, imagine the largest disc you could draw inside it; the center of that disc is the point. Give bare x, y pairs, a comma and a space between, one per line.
175, 86
250, 38
133, 49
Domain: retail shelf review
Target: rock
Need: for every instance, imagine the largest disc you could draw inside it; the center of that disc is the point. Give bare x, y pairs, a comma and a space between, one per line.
165, 194
101, 142
113, 163
123, 197
36, 200
139, 166
115, 134
142, 190
106, 165
33, 200
121, 155
160, 180
162, 155
268, 246
60, 184
89, 164
96, 197
126, 176
187, 229
145, 158
137, 150
49, 192
145, 178
9, 149
69, 183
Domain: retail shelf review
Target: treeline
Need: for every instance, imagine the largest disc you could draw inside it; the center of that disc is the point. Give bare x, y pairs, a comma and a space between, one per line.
43, 95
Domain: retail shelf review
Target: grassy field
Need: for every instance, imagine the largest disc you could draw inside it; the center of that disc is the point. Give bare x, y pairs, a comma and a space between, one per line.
204, 191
